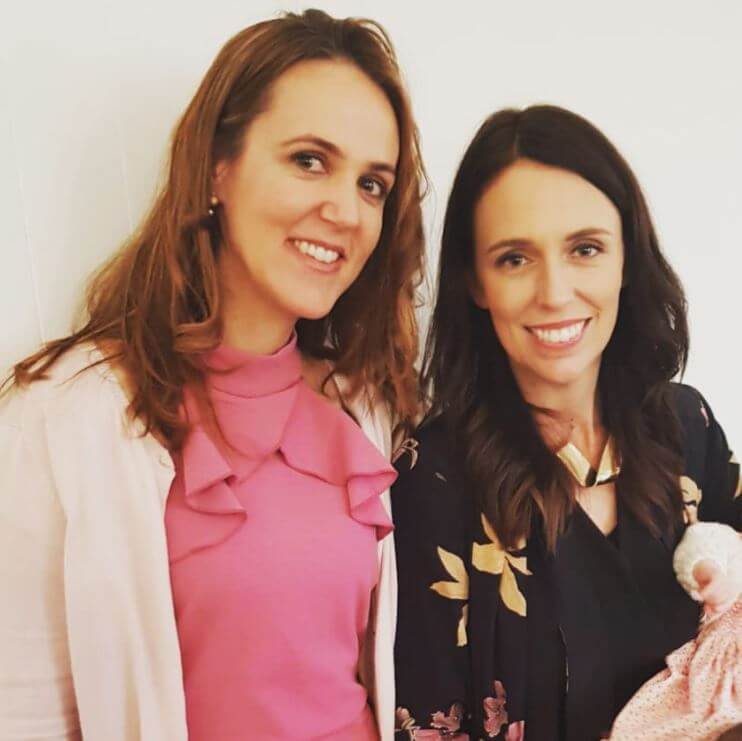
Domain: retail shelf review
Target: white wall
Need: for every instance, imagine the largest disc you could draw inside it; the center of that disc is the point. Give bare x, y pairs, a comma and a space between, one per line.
89, 91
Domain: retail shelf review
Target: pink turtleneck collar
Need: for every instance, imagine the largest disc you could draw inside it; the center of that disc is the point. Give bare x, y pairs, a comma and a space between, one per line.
263, 406
241, 373
272, 538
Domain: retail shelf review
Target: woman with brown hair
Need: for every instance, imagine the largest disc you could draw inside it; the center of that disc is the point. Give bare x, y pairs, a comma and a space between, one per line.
194, 528
538, 507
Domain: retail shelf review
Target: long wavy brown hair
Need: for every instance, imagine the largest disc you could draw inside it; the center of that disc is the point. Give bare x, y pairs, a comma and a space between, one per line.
517, 479
155, 306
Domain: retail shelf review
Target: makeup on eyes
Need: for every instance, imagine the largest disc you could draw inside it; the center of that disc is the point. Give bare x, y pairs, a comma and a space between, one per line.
509, 258
304, 159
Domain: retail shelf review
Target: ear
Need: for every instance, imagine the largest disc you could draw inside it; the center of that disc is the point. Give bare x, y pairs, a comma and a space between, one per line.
475, 290
218, 177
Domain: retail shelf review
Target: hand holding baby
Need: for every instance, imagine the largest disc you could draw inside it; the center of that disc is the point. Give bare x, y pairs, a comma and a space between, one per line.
708, 563
719, 588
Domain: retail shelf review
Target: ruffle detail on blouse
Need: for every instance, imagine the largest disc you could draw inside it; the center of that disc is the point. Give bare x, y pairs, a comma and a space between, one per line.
345, 456
204, 494
312, 435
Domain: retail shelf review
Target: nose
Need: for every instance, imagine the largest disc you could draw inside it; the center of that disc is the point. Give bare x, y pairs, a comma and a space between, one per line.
555, 285
341, 206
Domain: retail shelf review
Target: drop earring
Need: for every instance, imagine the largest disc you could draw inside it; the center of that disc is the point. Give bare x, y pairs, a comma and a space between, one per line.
213, 203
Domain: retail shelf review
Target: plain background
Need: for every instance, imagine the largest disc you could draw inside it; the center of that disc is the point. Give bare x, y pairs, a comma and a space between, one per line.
90, 91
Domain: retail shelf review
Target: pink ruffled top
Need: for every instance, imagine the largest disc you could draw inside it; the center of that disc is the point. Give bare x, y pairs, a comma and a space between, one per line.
272, 539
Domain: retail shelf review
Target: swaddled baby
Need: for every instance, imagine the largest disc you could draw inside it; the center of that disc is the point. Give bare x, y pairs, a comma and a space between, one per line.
698, 697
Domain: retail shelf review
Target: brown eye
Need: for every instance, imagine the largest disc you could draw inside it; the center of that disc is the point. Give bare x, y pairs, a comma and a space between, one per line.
511, 260
309, 161
587, 250
374, 187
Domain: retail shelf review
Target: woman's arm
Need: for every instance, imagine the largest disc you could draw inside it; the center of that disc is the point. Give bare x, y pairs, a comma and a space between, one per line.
707, 561
36, 692
431, 649
722, 496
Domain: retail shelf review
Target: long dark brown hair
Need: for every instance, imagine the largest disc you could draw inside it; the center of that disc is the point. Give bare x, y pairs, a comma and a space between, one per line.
155, 306
516, 477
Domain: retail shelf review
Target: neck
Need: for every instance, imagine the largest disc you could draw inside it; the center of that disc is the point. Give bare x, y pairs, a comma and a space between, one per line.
250, 322
573, 412
253, 335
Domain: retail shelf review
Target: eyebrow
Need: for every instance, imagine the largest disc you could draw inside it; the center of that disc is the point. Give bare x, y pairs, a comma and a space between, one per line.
337, 152
590, 231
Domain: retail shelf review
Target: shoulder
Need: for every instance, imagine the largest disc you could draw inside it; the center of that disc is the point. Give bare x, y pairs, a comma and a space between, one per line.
698, 424
712, 473
429, 446
75, 390
690, 406
429, 483
371, 413
694, 417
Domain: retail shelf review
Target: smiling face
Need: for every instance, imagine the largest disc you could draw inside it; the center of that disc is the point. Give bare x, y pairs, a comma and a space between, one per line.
548, 268
302, 205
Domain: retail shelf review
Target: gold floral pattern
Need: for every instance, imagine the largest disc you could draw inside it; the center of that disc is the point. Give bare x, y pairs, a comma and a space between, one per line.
492, 558
405, 722
692, 496
500, 571
409, 445
456, 589
442, 725
461, 637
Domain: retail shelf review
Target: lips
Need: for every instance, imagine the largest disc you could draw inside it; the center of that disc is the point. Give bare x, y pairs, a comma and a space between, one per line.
559, 334
319, 257
320, 251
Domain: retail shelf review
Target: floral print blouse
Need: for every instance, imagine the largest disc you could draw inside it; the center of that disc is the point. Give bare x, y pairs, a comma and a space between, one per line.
507, 645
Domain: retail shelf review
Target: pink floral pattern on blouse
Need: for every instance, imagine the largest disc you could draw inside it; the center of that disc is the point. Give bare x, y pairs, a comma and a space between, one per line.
496, 715
516, 731
443, 726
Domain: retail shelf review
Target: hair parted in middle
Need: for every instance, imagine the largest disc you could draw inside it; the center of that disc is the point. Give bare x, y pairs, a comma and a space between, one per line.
516, 477
155, 306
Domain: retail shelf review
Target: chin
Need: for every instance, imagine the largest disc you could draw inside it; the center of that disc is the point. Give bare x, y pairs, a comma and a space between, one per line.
313, 316
312, 310
555, 376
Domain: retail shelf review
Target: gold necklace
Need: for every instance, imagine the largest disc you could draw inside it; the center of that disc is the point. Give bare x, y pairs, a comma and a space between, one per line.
579, 466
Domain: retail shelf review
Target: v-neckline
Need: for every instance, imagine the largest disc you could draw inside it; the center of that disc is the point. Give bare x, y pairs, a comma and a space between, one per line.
612, 536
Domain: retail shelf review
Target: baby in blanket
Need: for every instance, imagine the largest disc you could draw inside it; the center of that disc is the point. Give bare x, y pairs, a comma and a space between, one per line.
698, 697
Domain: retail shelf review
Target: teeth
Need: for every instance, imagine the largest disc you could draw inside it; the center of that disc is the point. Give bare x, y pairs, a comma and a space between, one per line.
559, 336
315, 251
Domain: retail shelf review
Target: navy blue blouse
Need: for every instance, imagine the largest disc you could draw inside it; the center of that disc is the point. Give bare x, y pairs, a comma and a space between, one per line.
602, 612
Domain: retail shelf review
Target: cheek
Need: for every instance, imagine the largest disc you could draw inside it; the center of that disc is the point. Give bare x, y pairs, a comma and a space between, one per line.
606, 295
508, 304
264, 203
373, 225
507, 300
370, 233
284, 207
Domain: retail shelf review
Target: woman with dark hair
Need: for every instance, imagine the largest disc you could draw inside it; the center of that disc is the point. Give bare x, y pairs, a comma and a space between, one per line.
539, 504
194, 525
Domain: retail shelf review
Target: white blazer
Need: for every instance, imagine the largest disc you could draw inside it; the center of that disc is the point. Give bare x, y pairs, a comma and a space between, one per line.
88, 641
